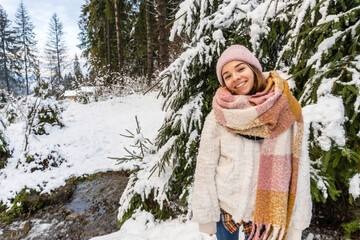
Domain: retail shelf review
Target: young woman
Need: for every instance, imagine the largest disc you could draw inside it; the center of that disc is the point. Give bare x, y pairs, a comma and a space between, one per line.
251, 172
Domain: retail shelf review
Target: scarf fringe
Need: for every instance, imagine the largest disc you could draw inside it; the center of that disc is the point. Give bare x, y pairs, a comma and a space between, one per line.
267, 231
270, 232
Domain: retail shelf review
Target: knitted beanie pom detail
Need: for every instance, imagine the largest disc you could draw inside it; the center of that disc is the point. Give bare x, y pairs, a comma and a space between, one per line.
236, 53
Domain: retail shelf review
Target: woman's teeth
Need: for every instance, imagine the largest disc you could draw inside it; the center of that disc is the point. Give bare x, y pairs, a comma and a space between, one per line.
240, 85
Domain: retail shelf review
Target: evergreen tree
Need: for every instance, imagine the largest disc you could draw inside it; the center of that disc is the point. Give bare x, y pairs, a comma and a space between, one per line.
37, 72
163, 35
279, 33
95, 36
26, 41
142, 43
99, 39
68, 81
78, 76
329, 72
85, 35
9, 59
56, 53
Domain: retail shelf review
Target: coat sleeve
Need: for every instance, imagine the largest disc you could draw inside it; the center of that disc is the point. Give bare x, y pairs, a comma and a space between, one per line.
205, 204
301, 216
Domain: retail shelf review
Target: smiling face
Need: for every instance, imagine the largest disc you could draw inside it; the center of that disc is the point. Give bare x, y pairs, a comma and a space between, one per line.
238, 77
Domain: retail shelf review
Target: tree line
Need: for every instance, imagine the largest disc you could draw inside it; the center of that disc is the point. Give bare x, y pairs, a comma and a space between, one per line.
129, 37
117, 38
20, 59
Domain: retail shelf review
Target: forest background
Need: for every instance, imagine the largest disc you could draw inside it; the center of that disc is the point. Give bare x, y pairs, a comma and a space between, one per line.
173, 46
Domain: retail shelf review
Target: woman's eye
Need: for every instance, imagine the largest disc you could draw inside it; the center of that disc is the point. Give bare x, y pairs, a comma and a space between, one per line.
227, 77
240, 69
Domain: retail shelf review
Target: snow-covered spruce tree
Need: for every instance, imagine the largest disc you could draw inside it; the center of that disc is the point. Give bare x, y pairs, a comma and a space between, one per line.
55, 51
9, 54
277, 32
78, 75
26, 40
323, 53
163, 181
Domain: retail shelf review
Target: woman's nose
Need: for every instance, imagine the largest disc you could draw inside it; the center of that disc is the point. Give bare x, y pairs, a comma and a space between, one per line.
236, 75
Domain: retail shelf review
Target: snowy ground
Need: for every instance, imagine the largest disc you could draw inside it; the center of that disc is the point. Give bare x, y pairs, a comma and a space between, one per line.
91, 135
143, 226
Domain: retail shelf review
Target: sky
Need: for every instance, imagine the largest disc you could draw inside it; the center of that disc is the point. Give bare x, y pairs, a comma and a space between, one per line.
41, 11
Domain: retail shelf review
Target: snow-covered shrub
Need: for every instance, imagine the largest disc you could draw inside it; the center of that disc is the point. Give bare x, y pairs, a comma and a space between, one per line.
39, 162
11, 114
313, 42
43, 114
43, 110
109, 84
9, 107
41, 88
6, 117
84, 99
5, 152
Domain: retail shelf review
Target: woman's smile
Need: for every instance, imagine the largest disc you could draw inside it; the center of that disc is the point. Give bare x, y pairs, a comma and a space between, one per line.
240, 85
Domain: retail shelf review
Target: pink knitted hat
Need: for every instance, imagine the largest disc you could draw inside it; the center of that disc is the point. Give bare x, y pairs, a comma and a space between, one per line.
236, 52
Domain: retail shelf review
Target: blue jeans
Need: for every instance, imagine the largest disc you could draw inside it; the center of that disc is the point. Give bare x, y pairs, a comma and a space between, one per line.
223, 234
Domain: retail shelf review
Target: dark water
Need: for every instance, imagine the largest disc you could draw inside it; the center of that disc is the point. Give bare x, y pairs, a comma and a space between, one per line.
90, 212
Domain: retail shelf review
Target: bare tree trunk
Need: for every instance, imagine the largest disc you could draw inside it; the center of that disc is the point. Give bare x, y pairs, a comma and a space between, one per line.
26, 73
58, 73
149, 42
118, 42
108, 43
25, 55
5, 67
163, 40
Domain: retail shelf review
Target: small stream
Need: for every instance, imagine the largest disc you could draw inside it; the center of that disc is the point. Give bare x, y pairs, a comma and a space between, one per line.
91, 211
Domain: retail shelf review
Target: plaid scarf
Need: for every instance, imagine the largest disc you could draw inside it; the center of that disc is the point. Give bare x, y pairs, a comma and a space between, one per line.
272, 115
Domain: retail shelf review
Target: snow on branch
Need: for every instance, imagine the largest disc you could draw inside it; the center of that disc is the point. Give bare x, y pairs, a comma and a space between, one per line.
327, 119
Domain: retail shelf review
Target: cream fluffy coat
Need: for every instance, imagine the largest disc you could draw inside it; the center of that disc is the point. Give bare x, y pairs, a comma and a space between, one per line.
227, 165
